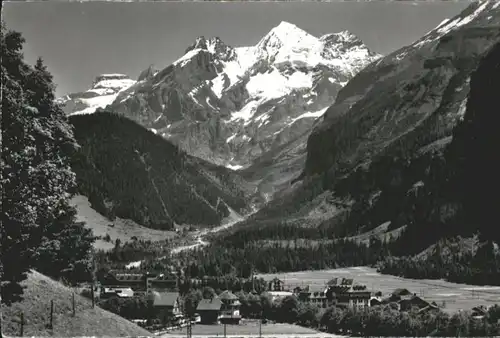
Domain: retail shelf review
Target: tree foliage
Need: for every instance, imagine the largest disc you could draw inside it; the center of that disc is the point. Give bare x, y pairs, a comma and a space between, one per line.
38, 224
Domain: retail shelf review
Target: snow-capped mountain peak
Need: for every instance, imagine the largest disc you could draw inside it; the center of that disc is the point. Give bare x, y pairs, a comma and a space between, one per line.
286, 35
230, 105
104, 91
213, 45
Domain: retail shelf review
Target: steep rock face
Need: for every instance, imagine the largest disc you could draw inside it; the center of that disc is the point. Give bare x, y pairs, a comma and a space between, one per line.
415, 96
232, 105
401, 107
104, 90
127, 171
473, 150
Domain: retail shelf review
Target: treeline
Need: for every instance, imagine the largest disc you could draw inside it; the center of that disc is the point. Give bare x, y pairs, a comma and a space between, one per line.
224, 257
127, 171
385, 321
38, 228
481, 267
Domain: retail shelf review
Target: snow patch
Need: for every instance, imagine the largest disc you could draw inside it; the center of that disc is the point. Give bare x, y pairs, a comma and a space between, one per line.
234, 167
230, 138
218, 85
315, 115
462, 108
458, 22
247, 112
187, 57
94, 103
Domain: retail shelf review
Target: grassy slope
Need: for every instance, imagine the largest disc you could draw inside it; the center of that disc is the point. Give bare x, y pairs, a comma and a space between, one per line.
40, 290
124, 229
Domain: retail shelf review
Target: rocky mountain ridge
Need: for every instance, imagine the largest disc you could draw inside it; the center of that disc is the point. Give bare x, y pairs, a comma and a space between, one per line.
104, 90
386, 127
231, 105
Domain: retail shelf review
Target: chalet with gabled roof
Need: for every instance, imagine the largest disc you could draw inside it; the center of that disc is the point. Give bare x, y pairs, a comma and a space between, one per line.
230, 308
209, 310
166, 305
276, 284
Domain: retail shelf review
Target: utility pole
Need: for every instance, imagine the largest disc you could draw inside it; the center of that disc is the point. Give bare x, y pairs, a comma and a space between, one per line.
225, 330
260, 323
189, 328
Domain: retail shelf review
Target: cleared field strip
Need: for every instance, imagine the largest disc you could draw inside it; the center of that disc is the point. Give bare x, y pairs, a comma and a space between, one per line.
455, 296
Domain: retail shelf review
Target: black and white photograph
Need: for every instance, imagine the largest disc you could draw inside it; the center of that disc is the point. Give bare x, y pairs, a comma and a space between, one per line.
250, 169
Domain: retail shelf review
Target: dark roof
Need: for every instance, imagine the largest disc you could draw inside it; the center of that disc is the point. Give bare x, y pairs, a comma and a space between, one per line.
333, 281
316, 288
479, 309
164, 298
227, 295
129, 277
165, 277
209, 304
401, 292
347, 281
428, 307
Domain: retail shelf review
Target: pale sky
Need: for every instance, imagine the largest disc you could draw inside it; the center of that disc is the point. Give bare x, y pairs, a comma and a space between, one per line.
79, 41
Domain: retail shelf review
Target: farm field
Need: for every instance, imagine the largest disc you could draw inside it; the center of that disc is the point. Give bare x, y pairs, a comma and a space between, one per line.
123, 229
455, 296
250, 328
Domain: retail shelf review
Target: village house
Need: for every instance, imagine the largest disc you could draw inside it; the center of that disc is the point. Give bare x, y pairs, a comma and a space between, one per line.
276, 285
404, 300
400, 294
209, 310
349, 294
278, 295
375, 301
413, 302
120, 292
117, 279
316, 295
230, 308
162, 283
166, 306
135, 281
478, 312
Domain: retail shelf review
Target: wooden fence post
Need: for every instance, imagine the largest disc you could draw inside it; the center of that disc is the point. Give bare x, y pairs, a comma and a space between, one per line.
73, 303
51, 326
22, 325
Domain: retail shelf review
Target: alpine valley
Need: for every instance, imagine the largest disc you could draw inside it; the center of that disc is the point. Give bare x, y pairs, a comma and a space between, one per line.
321, 138
311, 159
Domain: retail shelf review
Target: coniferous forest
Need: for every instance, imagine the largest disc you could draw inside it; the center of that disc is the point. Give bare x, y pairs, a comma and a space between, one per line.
129, 172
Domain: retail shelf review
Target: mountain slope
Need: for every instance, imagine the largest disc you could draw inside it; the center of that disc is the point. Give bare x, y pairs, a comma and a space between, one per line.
129, 172
387, 126
423, 84
231, 105
103, 92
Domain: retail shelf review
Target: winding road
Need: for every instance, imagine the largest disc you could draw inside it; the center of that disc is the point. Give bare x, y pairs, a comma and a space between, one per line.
233, 218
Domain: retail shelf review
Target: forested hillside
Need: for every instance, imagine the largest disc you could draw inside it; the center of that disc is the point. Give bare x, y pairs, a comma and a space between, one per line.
127, 171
